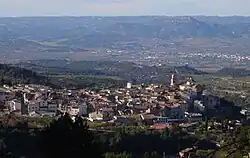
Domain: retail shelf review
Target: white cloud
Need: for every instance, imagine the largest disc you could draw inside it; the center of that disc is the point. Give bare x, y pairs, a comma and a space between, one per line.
123, 7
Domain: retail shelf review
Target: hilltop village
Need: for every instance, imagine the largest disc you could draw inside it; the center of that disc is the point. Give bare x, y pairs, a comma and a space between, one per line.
183, 101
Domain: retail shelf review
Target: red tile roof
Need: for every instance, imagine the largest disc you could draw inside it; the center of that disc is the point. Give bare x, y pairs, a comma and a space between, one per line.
159, 126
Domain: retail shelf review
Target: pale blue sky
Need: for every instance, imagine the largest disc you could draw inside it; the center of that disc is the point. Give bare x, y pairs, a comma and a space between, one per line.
123, 7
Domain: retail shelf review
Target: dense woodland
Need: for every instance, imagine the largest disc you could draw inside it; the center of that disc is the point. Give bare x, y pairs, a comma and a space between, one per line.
63, 137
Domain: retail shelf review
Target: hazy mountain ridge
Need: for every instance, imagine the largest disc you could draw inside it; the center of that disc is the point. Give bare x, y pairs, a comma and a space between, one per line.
70, 34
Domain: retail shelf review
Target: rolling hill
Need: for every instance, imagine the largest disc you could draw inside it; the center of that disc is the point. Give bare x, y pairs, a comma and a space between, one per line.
126, 71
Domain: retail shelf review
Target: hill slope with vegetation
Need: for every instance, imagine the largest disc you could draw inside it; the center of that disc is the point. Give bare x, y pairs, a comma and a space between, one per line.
233, 72
13, 75
126, 71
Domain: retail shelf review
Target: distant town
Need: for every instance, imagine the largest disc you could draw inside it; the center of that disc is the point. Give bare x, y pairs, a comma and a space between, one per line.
183, 101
